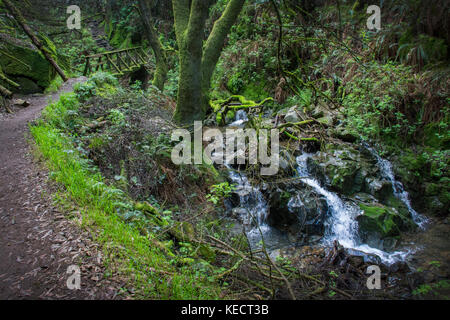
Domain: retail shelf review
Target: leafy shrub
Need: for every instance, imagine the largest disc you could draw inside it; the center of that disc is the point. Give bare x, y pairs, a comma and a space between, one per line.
101, 83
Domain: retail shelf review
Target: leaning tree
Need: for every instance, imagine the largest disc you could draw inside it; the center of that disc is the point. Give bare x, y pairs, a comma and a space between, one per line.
160, 75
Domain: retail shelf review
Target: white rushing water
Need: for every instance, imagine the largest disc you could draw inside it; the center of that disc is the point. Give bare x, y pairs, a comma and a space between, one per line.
251, 199
341, 222
253, 207
399, 191
253, 212
240, 120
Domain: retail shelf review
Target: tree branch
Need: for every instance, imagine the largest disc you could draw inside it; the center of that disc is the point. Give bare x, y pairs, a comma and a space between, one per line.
21, 21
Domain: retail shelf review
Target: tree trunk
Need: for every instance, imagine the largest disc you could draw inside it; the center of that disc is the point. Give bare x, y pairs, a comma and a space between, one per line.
21, 21
214, 45
197, 64
189, 103
160, 75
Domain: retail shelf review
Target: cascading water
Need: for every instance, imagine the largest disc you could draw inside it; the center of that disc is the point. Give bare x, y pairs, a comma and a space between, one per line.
399, 191
341, 223
240, 120
250, 199
253, 210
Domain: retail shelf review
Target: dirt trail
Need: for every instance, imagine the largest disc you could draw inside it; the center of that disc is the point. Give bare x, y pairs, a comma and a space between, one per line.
37, 242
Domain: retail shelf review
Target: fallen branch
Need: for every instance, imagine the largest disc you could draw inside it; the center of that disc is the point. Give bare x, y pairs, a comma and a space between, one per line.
4, 78
5, 92
21, 21
294, 124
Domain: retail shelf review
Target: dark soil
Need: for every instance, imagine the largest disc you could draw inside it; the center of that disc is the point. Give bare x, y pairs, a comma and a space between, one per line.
37, 241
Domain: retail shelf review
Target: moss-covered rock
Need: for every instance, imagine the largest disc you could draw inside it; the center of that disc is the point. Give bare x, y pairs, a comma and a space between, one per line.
380, 220
21, 62
342, 167
343, 133
380, 189
27, 86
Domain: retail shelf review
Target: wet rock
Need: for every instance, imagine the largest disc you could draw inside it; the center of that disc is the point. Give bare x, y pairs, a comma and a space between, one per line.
366, 257
280, 216
238, 212
399, 266
319, 111
288, 163
344, 169
344, 134
304, 211
381, 189
316, 168
380, 219
327, 121
233, 200
405, 223
292, 115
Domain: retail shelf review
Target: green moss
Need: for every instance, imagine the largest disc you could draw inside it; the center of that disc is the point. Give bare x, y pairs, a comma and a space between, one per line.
405, 223
343, 177
27, 86
27, 63
207, 252
381, 220
222, 106
231, 114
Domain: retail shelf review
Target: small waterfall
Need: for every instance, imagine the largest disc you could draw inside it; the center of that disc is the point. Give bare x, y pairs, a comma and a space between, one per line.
399, 191
250, 198
341, 223
240, 119
253, 211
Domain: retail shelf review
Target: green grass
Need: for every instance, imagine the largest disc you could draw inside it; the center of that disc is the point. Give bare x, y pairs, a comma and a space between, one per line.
126, 247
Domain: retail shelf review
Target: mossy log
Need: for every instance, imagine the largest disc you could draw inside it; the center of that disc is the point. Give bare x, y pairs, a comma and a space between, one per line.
234, 103
5, 92
9, 81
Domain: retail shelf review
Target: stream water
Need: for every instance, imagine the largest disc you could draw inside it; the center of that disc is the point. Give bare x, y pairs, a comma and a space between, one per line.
253, 211
399, 191
341, 224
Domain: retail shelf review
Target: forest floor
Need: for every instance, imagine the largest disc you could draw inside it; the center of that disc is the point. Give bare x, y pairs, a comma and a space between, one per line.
37, 241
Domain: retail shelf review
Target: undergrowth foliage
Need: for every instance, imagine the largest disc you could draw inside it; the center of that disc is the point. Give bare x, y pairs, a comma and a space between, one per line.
123, 229
111, 159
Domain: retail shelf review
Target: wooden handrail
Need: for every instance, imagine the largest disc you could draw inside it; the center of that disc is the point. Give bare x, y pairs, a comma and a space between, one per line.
112, 52
133, 58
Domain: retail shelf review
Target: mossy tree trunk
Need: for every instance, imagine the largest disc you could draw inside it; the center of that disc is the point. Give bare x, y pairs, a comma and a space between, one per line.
197, 63
214, 45
160, 75
21, 21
